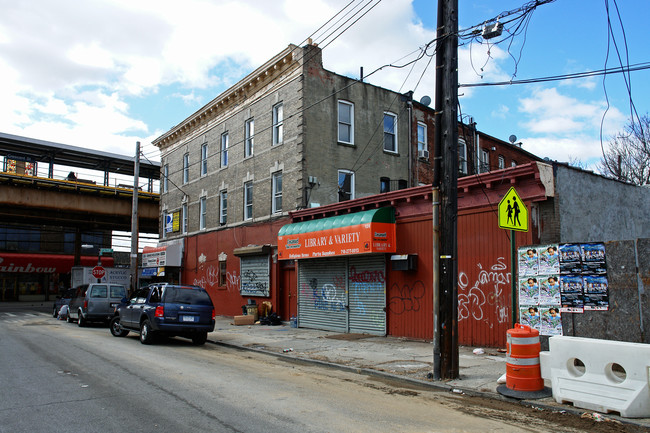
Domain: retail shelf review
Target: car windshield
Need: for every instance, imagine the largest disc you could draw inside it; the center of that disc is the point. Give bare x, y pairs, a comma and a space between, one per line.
186, 295
118, 292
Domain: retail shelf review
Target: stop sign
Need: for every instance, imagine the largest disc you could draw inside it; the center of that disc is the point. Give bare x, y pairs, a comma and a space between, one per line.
98, 272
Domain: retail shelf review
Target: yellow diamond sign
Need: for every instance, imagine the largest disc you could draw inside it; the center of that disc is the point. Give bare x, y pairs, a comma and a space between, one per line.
513, 213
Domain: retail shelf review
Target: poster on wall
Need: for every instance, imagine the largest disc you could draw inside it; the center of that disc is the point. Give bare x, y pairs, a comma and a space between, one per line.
539, 288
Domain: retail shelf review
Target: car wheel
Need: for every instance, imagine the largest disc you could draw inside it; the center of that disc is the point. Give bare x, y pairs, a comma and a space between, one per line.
55, 312
146, 333
116, 328
80, 320
200, 338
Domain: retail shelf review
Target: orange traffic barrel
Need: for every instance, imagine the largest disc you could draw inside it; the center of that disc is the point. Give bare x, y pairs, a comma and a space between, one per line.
523, 371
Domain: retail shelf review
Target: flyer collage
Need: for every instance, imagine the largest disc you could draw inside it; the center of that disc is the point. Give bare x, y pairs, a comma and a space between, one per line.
555, 279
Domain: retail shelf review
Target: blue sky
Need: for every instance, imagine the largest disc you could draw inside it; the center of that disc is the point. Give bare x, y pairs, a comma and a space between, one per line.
104, 74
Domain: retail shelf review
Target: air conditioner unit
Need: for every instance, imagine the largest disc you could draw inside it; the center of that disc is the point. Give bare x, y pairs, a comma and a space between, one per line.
423, 154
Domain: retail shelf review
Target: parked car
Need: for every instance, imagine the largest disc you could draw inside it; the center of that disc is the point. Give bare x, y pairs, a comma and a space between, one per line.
95, 302
62, 300
165, 309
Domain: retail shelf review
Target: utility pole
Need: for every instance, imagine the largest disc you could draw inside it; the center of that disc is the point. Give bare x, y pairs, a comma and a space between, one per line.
445, 195
134, 219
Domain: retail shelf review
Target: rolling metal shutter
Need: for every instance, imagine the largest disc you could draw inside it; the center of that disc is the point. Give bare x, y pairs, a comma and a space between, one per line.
367, 294
322, 294
254, 280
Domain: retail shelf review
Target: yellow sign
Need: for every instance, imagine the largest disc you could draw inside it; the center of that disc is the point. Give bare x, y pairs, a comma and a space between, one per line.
513, 213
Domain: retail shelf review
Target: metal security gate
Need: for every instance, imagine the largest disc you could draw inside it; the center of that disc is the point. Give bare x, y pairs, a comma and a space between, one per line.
367, 294
322, 298
343, 294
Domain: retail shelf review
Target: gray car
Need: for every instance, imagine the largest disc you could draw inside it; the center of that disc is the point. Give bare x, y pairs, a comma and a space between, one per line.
95, 302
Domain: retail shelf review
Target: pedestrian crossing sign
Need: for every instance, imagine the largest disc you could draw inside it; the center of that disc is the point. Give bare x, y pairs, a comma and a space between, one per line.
513, 213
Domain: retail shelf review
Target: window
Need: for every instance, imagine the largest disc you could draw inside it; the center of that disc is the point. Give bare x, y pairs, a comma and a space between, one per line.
204, 159
222, 272
513, 163
224, 149
203, 212
186, 168
249, 133
184, 218
502, 162
164, 225
462, 157
223, 207
346, 185
346, 122
384, 185
484, 161
278, 124
165, 178
277, 192
248, 200
422, 137
390, 132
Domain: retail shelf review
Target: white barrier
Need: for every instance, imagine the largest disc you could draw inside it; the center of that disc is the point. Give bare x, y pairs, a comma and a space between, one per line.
601, 375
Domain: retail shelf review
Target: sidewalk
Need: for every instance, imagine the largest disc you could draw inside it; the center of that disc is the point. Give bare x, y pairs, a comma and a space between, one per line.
397, 358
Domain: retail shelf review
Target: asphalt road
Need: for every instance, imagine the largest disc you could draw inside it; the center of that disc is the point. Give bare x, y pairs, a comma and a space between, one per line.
58, 377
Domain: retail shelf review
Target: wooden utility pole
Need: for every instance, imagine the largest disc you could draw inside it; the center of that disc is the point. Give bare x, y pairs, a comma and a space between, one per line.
134, 219
445, 183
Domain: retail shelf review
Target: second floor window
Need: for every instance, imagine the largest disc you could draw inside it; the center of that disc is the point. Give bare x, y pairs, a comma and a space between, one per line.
223, 207
484, 161
502, 162
390, 132
224, 149
249, 133
278, 124
346, 185
203, 211
277, 192
422, 137
186, 168
248, 200
346, 123
204, 159
462, 157
165, 178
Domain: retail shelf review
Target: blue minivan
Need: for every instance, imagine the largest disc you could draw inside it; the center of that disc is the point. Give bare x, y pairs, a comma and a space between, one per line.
166, 309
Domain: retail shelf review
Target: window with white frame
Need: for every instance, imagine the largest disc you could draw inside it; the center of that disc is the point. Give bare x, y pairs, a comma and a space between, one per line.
203, 211
390, 132
513, 163
462, 157
278, 124
422, 137
164, 224
248, 200
249, 134
484, 161
277, 192
184, 217
345, 122
165, 178
186, 168
502, 162
224, 149
346, 185
204, 159
223, 207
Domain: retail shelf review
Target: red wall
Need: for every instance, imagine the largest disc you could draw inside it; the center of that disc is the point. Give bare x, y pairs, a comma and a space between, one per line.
205, 273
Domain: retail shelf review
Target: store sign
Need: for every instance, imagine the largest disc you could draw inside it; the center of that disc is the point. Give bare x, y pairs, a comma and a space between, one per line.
316, 239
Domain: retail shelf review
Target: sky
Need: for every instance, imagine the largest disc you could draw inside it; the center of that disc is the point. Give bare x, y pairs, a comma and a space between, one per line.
103, 74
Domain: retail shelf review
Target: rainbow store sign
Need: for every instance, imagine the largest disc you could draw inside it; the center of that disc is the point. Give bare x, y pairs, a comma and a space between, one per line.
365, 232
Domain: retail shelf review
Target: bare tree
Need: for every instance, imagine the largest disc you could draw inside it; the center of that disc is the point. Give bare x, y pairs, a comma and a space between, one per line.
627, 155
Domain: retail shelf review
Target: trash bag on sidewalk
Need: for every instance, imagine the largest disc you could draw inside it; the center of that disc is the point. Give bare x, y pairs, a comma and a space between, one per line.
271, 320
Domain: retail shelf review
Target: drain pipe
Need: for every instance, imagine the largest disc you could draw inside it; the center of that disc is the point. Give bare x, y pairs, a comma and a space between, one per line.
641, 289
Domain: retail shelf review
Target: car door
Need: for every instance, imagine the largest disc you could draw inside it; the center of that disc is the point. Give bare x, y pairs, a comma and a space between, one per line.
131, 313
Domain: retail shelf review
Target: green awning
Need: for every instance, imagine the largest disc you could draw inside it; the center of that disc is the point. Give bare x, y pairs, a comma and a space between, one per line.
381, 215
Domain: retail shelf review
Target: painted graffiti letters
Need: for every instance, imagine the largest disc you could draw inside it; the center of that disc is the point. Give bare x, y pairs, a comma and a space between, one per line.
408, 298
487, 292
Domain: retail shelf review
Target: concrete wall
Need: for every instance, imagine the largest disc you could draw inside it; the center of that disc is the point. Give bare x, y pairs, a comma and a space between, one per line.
628, 317
595, 209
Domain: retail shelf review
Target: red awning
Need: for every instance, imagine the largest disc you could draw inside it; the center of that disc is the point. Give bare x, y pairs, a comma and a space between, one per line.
46, 263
